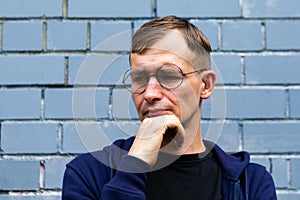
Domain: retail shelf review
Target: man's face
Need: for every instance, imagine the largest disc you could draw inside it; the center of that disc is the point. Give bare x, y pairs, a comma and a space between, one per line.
183, 101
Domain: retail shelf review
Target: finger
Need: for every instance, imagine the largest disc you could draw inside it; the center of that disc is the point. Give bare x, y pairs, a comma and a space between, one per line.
180, 135
175, 130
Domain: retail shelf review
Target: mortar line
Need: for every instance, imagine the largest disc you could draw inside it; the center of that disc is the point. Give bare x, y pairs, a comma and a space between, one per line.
66, 71
65, 5
42, 104
1, 36
42, 174
110, 106
1, 150
243, 71
289, 173
288, 104
241, 7
60, 138
241, 136
271, 165
264, 36
154, 8
219, 29
44, 36
88, 36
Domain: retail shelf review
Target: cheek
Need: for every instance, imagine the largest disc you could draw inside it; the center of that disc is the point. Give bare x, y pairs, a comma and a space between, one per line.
190, 91
137, 100
189, 97
189, 100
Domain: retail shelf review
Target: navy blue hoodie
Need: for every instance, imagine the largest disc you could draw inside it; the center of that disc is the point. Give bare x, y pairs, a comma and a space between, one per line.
108, 175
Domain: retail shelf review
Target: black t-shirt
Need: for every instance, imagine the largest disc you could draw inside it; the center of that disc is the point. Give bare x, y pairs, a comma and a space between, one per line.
190, 177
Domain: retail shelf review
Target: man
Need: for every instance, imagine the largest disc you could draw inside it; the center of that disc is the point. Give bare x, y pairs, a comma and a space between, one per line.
170, 75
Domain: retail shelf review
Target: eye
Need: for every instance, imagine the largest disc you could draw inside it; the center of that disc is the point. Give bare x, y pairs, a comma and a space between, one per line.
169, 75
138, 78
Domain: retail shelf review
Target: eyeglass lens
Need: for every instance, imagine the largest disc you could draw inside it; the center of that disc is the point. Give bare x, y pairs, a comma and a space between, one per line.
168, 75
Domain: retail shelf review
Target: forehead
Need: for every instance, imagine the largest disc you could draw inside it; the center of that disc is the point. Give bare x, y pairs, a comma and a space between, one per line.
171, 48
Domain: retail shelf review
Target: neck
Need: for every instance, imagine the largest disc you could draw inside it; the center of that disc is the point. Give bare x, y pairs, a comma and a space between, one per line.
193, 132
195, 141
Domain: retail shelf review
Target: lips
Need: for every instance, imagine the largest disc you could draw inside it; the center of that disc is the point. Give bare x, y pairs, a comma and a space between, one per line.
155, 112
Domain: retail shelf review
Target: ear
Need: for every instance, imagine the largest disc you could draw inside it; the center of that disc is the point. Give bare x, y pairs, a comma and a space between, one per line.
208, 83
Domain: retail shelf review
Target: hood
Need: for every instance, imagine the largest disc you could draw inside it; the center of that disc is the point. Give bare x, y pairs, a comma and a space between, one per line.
232, 164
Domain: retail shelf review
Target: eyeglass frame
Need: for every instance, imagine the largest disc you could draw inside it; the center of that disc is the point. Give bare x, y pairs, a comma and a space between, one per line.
126, 75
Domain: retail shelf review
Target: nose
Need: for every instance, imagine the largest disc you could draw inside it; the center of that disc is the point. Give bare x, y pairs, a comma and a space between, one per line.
153, 90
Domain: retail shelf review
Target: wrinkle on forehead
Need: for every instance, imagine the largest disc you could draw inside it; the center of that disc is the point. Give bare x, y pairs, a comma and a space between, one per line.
173, 43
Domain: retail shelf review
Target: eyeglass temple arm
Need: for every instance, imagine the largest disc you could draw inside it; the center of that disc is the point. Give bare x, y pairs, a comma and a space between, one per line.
199, 70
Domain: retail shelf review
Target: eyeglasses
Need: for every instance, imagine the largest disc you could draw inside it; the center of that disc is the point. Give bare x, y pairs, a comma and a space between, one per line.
168, 75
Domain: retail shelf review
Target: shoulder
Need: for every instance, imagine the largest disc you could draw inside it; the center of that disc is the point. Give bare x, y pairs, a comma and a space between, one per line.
257, 173
232, 165
107, 156
260, 182
255, 167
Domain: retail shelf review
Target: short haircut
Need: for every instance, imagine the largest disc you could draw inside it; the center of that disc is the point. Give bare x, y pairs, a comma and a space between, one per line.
155, 29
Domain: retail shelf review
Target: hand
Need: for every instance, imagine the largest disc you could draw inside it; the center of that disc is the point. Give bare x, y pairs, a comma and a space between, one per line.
162, 132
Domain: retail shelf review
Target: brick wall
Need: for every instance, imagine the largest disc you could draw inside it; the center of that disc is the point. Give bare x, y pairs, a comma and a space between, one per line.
47, 47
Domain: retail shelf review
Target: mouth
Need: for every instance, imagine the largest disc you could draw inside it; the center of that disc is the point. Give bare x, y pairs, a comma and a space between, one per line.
156, 112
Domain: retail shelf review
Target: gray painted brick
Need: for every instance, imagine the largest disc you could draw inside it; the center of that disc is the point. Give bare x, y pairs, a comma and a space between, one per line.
111, 36
31, 8
18, 70
71, 139
210, 30
242, 36
19, 175
228, 69
295, 173
114, 130
255, 103
138, 23
31, 39
186, 8
122, 105
81, 137
276, 29
75, 63
113, 72
280, 172
63, 35
30, 197
226, 134
246, 103
272, 69
54, 171
97, 69
108, 8
274, 9
271, 137
262, 161
90, 136
294, 103
20, 103
29, 137
215, 107
288, 196
90, 103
